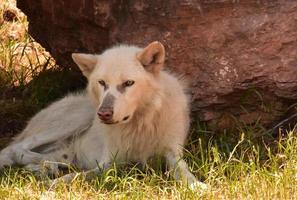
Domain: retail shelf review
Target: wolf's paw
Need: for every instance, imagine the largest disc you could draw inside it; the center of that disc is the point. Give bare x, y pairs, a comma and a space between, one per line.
45, 168
5, 160
197, 185
67, 179
193, 183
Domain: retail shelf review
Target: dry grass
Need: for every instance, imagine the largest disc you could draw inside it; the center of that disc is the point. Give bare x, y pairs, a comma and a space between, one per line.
29, 78
21, 58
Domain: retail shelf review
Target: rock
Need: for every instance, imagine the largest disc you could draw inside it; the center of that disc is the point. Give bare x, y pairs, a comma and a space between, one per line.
9, 15
240, 57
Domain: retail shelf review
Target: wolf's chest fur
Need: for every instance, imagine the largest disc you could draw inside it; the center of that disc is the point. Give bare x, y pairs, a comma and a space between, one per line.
136, 141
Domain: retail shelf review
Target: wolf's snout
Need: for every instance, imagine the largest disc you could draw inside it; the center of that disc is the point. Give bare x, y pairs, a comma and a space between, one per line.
105, 114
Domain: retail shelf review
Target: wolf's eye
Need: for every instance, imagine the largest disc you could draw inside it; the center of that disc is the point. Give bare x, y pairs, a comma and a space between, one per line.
101, 82
128, 83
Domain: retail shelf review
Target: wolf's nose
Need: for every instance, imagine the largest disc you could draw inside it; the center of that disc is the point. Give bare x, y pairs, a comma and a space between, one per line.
105, 114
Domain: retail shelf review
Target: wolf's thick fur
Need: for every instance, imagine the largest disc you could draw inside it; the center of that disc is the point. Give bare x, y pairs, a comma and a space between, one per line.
142, 111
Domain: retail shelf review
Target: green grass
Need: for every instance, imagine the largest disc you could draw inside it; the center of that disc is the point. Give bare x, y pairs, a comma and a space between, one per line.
247, 163
242, 170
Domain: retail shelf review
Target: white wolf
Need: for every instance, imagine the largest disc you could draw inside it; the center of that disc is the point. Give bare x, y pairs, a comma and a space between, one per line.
131, 110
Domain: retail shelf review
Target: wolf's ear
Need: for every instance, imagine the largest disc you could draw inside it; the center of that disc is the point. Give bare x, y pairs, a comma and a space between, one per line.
152, 57
86, 62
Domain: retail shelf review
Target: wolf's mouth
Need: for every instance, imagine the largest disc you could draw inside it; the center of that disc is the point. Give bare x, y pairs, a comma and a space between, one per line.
125, 118
109, 122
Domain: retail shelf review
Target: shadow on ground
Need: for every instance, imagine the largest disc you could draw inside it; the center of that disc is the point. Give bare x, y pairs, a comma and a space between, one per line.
18, 104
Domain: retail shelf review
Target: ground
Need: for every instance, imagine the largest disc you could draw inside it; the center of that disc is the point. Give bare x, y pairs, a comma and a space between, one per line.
248, 162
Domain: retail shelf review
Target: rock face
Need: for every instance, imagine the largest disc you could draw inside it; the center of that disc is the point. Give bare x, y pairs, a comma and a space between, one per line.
240, 57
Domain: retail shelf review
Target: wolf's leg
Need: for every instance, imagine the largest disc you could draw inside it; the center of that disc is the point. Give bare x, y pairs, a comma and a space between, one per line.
71, 115
24, 157
6, 158
102, 165
16, 155
20, 152
68, 178
87, 174
45, 168
51, 135
181, 170
35, 162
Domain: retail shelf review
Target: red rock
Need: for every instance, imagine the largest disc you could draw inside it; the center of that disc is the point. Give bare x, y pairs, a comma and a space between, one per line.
240, 56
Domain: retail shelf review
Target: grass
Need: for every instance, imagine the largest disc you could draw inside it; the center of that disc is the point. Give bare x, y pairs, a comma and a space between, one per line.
21, 58
248, 163
29, 76
242, 170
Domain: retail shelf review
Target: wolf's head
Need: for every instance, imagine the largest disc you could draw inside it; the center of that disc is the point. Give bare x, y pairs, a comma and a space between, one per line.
123, 80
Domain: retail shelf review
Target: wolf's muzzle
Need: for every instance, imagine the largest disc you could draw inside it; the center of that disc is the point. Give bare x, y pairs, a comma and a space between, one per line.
105, 114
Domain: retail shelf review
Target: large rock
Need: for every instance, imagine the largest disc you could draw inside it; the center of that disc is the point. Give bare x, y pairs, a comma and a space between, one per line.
240, 56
